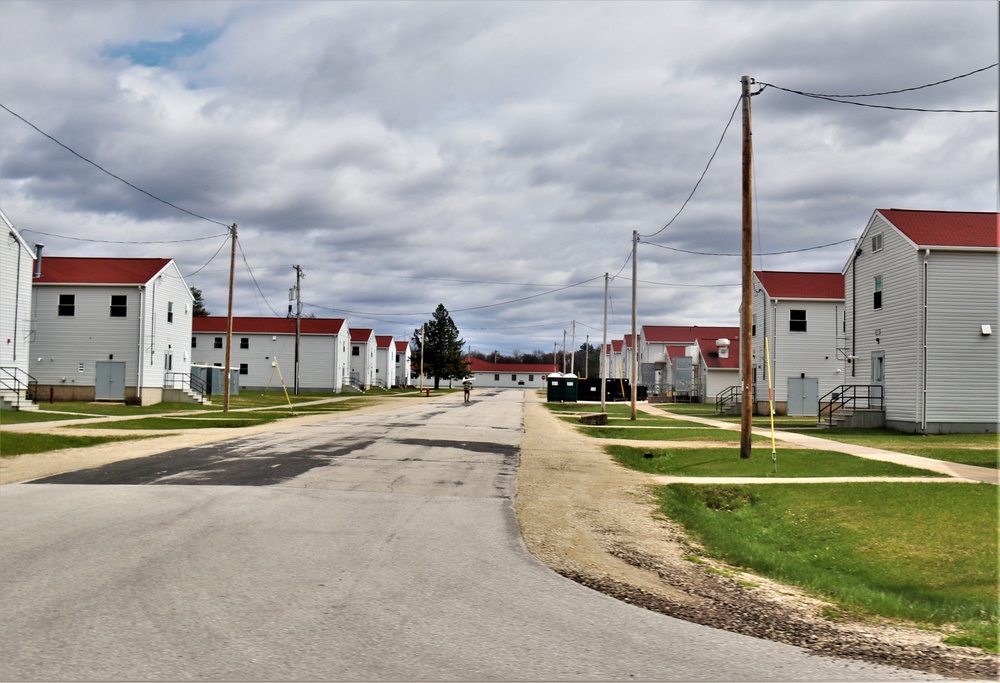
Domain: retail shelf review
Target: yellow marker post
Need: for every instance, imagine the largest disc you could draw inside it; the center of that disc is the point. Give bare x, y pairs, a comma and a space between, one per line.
770, 400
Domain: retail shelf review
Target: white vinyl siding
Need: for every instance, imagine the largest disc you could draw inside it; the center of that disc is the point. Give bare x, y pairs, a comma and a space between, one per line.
62, 343
16, 267
812, 353
270, 359
962, 363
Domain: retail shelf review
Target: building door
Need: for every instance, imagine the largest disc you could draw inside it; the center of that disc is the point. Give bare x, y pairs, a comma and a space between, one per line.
109, 383
803, 396
878, 378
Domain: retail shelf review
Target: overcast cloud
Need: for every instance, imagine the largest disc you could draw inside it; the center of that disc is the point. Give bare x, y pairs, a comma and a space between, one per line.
476, 153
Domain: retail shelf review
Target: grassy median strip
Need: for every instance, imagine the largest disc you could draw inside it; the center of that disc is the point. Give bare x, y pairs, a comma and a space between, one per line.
215, 421
968, 449
925, 553
21, 443
686, 433
726, 462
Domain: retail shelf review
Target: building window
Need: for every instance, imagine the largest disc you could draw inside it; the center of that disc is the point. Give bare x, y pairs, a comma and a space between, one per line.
877, 298
119, 306
753, 325
244, 368
67, 305
244, 342
877, 242
218, 342
194, 342
797, 320
355, 350
170, 311
513, 378
531, 378
496, 378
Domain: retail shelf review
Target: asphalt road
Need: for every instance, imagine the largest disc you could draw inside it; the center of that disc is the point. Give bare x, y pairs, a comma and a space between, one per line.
377, 547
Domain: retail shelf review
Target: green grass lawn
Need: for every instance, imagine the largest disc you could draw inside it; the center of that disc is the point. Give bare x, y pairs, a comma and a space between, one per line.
211, 421
18, 417
20, 443
920, 552
726, 462
968, 449
687, 433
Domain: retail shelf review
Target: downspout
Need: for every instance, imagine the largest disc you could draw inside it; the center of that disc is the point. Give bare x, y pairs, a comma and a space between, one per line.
854, 314
923, 348
17, 297
142, 334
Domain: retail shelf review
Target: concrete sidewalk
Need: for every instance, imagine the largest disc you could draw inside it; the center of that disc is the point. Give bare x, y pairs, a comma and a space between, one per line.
957, 471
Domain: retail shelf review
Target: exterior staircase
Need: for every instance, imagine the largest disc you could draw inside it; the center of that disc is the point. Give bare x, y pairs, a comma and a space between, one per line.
15, 385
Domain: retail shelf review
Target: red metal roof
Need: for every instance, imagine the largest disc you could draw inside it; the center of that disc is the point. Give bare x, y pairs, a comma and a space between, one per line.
478, 365
401, 346
947, 228
217, 324
383, 341
710, 352
680, 334
791, 285
65, 270
361, 334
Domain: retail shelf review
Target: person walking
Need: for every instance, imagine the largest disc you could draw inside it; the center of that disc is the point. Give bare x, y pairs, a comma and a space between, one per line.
466, 388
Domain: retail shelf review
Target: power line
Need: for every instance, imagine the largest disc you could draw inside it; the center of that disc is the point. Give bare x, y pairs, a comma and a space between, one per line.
222, 244
845, 99
770, 253
104, 170
85, 239
702, 177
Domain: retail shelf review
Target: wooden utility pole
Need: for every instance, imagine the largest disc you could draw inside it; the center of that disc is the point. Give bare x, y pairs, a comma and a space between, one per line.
229, 326
423, 335
746, 308
298, 322
635, 314
604, 346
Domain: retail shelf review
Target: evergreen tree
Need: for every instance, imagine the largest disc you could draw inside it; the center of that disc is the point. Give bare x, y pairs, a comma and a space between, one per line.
199, 310
441, 347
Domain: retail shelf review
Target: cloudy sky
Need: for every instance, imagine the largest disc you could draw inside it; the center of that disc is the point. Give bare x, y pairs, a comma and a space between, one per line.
491, 156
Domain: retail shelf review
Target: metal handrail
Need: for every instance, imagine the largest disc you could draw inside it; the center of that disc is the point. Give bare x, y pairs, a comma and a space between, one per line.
860, 396
728, 395
185, 381
18, 381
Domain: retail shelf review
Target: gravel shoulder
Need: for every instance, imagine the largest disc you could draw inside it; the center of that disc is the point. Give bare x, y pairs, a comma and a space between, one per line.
595, 522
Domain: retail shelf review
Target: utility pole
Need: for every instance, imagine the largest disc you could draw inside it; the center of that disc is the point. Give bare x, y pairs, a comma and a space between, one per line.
746, 308
572, 346
423, 333
604, 346
586, 357
298, 321
229, 326
635, 314
564, 352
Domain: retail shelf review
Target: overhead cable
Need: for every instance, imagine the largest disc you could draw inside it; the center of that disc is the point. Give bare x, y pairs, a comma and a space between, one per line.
846, 99
104, 170
702, 177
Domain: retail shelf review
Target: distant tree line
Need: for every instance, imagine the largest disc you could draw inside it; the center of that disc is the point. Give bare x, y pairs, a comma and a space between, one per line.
586, 361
